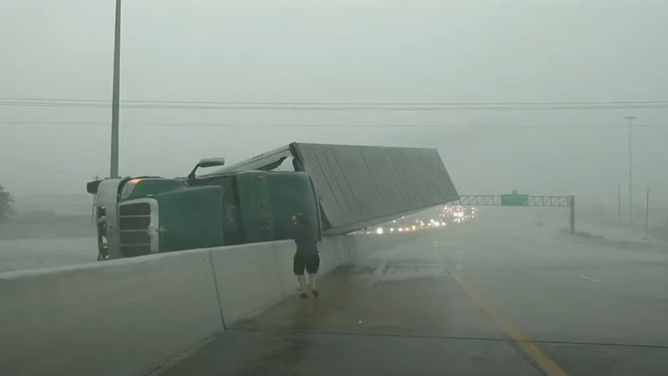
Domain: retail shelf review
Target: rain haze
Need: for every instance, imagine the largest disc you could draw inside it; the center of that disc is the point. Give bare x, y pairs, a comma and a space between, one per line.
565, 99
339, 52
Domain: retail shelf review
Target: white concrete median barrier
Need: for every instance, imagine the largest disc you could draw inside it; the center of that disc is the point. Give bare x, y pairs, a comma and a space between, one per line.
127, 317
113, 318
250, 277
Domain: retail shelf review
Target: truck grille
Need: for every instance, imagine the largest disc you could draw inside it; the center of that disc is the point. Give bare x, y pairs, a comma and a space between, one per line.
141, 208
134, 220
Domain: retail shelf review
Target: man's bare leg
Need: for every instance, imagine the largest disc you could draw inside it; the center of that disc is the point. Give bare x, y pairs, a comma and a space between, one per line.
313, 279
302, 284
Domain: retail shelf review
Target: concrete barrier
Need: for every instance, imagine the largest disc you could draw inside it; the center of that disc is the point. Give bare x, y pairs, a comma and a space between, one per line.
252, 277
115, 318
127, 317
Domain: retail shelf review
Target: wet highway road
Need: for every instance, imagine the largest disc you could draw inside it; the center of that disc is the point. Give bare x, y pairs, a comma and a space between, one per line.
487, 298
44, 253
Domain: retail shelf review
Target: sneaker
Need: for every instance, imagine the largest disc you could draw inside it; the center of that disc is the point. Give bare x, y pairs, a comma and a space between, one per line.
303, 295
315, 293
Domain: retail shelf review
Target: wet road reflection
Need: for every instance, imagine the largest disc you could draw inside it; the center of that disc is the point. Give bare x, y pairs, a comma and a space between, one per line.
487, 299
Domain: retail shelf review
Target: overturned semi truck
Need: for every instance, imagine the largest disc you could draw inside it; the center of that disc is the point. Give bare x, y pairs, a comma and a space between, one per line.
342, 188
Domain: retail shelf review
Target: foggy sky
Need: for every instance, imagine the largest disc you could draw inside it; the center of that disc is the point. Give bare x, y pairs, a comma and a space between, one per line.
317, 51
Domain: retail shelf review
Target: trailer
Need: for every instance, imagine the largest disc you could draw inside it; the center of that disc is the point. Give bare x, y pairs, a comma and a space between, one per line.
362, 186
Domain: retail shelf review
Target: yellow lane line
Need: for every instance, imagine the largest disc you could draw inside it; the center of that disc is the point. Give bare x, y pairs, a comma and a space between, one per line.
521, 341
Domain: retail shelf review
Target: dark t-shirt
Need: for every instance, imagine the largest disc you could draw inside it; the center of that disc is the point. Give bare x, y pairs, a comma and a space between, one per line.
305, 239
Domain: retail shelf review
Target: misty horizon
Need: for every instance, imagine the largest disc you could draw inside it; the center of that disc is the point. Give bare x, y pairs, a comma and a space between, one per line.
400, 52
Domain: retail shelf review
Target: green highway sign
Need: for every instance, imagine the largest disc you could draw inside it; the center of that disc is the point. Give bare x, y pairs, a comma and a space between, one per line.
514, 199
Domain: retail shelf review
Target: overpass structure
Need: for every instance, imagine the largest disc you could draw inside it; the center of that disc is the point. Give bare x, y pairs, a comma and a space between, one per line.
460, 301
482, 298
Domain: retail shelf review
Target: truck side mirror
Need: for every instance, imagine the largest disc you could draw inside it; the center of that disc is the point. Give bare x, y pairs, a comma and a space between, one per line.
92, 186
206, 162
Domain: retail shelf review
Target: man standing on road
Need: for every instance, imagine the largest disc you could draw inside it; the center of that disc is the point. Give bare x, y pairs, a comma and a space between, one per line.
307, 256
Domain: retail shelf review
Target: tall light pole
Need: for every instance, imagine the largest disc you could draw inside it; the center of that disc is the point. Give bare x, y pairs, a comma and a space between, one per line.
630, 119
115, 101
619, 203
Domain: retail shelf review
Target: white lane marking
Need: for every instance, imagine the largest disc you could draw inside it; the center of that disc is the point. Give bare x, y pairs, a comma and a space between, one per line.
589, 279
378, 274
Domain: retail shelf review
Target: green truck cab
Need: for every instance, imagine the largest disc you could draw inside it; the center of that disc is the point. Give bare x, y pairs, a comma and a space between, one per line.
148, 215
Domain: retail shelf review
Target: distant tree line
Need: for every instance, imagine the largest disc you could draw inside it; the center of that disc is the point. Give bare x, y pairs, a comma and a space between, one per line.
6, 204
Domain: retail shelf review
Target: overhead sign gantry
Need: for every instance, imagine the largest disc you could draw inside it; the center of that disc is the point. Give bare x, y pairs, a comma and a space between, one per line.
518, 200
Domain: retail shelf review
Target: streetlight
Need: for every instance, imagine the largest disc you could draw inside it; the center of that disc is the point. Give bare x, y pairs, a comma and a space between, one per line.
115, 105
630, 119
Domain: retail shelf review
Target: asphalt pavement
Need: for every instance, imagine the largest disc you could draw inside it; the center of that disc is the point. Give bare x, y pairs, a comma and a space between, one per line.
45, 253
495, 296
